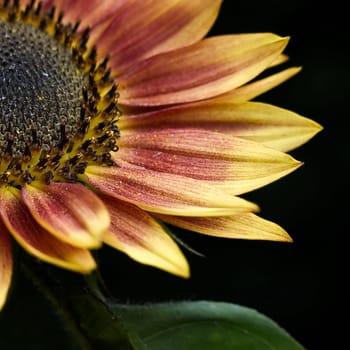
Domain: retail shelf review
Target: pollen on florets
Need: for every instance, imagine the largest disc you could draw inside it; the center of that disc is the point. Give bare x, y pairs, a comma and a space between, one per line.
58, 105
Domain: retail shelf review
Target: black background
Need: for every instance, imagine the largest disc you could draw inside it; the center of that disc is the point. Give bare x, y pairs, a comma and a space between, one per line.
294, 284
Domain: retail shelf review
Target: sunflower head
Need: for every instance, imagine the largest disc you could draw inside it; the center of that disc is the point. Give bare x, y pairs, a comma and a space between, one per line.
75, 172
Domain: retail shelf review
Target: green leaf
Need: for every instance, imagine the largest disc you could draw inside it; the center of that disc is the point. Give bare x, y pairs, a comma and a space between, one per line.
200, 325
94, 322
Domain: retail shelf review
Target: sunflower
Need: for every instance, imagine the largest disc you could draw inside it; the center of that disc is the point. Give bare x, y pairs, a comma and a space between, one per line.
119, 116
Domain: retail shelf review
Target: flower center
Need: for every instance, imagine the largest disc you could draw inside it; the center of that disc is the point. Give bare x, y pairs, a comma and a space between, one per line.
58, 105
41, 89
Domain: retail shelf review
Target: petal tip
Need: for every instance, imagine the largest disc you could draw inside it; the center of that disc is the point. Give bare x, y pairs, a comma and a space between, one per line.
281, 235
295, 70
88, 268
283, 41
184, 270
287, 239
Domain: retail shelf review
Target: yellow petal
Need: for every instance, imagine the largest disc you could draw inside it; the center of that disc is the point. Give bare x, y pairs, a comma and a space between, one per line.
6, 264
276, 127
272, 126
258, 87
137, 234
245, 226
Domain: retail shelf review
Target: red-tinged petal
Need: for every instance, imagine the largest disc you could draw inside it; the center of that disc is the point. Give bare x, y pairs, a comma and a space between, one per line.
36, 240
164, 193
194, 73
71, 212
6, 264
154, 26
272, 126
137, 234
245, 226
224, 161
90, 13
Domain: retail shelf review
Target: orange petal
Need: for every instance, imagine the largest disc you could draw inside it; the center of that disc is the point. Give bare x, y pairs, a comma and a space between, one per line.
164, 193
245, 226
71, 212
137, 234
154, 26
200, 71
6, 264
36, 240
224, 161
